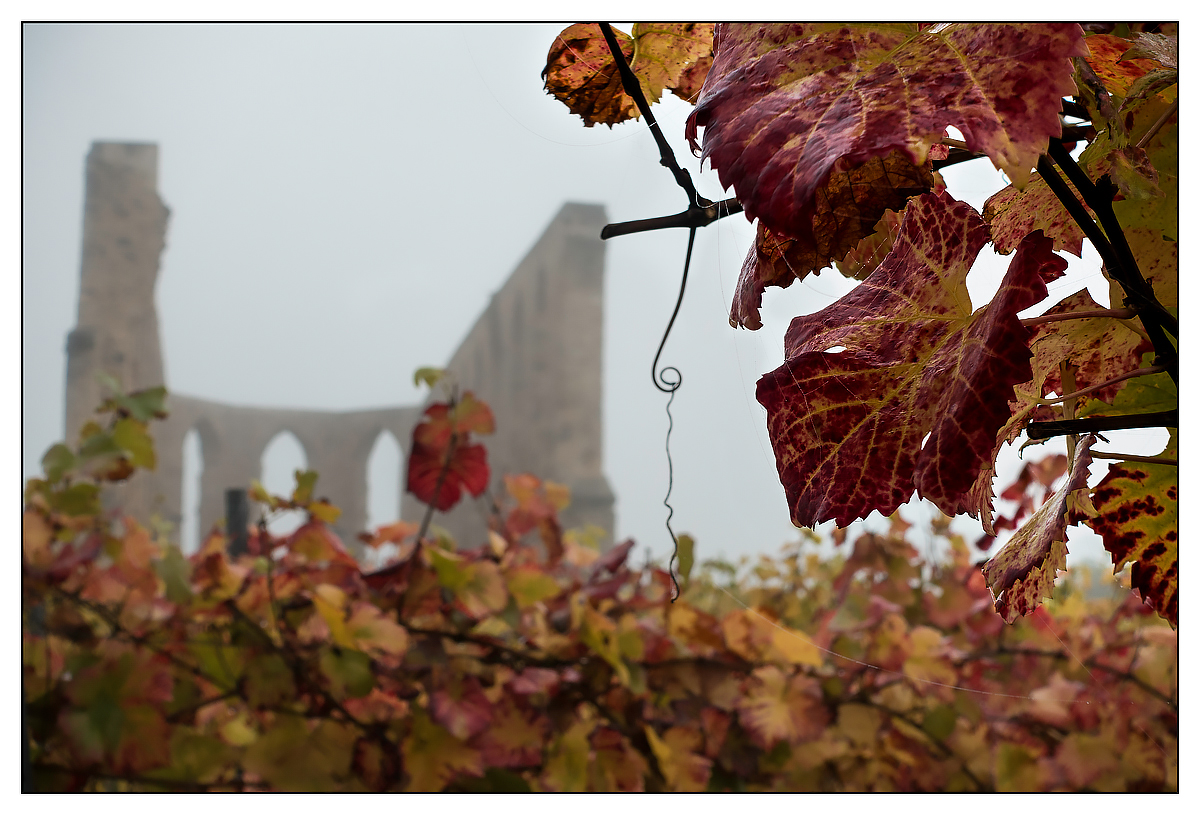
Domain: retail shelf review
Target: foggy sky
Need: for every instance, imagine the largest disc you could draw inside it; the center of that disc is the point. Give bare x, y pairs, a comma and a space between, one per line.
346, 198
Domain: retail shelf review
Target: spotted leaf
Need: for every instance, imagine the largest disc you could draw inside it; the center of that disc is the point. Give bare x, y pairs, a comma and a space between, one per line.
901, 358
787, 105
581, 73
843, 211
1022, 573
1137, 515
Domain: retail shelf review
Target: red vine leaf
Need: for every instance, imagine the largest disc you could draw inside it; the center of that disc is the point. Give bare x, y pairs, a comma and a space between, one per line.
787, 105
1137, 506
843, 211
441, 437
581, 73
461, 708
1022, 573
847, 426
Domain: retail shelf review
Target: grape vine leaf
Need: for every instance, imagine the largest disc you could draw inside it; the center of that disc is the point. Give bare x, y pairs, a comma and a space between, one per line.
581, 73
1157, 258
1102, 348
1091, 762
440, 445
915, 361
1145, 394
1137, 515
1022, 573
432, 756
1158, 208
775, 706
1013, 213
1162, 48
676, 752
1114, 60
538, 504
478, 585
786, 105
514, 739
567, 763
692, 80
461, 708
617, 766
843, 211
1147, 178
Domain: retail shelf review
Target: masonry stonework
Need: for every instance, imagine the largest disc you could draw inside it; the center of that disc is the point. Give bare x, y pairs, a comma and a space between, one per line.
534, 355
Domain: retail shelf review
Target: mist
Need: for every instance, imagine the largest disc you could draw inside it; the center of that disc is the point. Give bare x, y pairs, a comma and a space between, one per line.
346, 198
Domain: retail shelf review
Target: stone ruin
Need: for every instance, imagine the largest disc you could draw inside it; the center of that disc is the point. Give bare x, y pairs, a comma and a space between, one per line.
534, 356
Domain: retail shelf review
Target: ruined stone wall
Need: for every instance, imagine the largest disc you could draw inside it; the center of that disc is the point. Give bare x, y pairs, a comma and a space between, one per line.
535, 355
232, 441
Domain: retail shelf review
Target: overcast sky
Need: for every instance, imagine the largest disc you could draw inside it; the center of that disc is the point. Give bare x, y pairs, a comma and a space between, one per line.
345, 199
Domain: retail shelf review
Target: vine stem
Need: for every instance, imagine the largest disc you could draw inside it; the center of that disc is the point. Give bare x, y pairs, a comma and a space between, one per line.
669, 386
634, 88
1173, 462
1153, 369
690, 218
701, 211
1092, 424
1162, 120
1109, 240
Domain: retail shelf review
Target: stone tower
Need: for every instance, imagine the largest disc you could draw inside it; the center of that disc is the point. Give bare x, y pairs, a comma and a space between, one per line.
124, 232
534, 354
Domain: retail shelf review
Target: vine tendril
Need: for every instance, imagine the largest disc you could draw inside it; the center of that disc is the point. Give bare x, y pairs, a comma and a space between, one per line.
668, 380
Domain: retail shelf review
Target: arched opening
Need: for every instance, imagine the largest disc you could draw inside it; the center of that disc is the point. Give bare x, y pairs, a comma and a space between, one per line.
384, 483
282, 456
189, 501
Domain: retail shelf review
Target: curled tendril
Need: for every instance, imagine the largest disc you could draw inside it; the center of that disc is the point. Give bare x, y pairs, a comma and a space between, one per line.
668, 380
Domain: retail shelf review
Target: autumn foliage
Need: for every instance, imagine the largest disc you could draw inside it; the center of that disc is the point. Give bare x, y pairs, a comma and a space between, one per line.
533, 661
832, 137
536, 662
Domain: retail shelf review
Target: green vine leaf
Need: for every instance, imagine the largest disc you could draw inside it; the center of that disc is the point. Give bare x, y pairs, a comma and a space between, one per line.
1145, 394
